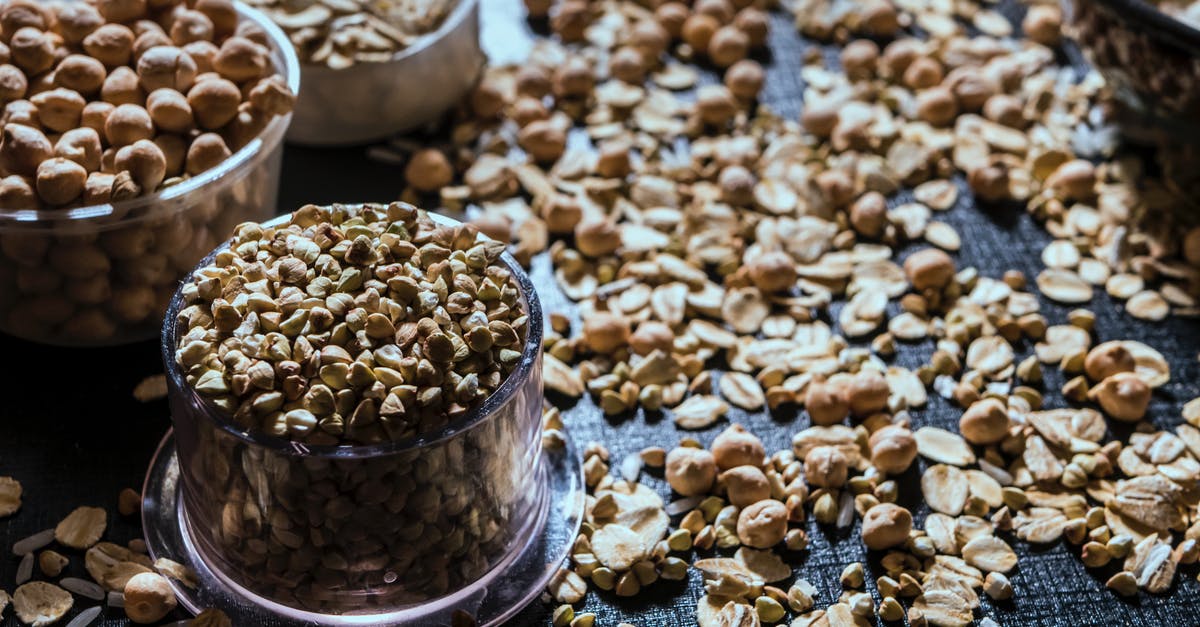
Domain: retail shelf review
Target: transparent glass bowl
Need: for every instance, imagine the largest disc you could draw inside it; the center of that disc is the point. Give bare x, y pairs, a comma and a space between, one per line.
372, 101
362, 530
102, 275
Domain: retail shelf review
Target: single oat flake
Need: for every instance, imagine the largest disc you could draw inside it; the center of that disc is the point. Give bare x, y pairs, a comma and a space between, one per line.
38, 603
82, 528
10, 496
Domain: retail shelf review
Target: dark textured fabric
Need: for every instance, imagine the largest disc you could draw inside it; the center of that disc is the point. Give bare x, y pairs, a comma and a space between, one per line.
71, 432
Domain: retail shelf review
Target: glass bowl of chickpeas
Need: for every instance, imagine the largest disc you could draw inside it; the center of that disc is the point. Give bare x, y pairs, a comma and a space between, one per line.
393, 66
135, 135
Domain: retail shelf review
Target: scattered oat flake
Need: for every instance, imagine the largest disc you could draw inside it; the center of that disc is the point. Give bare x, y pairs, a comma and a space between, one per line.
699, 412
82, 528
39, 603
741, 389
943, 446
176, 571
1148, 305
989, 554
945, 489
618, 547
943, 236
151, 388
944, 609
1064, 286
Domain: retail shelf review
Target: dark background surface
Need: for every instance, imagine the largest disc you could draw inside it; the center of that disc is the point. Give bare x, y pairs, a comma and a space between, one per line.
72, 434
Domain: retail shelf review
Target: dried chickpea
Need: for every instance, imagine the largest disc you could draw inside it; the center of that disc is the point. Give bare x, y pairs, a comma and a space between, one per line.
1004, 109
271, 95
121, 10
214, 102
98, 189
715, 105
1074, 179
893, 449
1123, 396
773, 271
80, 73
127, 124
122, 87
898, 55
77, 20
671, 16
826, 467
735, 446
538, 8
21, 112
240, 59
605, 332
613, 159
203, 53
650, 38
922, 73
95, 115
110, 44
597, 237
1191, 246
859, 58
826, 403
60, 181
722, 10
886, 525
745, 79
762, 525
59, 109
867, 393
727, 46
746, 485
1043, 24
937, 106
148, 598
879, 18
755, 23
929, 268
698, 31
81, 145
627, 64
205, 152
737, 185
868, 215
13, 84
145, 162
223, 15
984, 422
544, 140
166, 67
561, 213
18, 14
428, 170
17, 192
690, 471
989, 182
1108, 359
574, 79
534, 82
528, 109
189, 26
174, 150
571, 20
971, 87
31, 50
652, 335
22, 148
169, 110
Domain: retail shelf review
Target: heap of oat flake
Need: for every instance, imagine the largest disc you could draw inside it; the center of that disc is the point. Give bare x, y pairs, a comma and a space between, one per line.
705, 227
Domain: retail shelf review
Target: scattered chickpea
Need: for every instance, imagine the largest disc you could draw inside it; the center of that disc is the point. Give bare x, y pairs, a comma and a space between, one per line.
859, 58
893, 449
690, 471
605, 332
698, 31
755, 23
574, 79
627, 64
613, 159
867, 393
562, 213
715, 105
937, 105
148, 598
735, 446
984, 422
597, 237
671, 16
745, 79
826, 467
428, 170
652, 335
989, 182
746, 485
826, 403
773, 271
886, 525
486, 100
1043, 24
1075, 179
868, 215
727, 46
929, 268
762, 525
1123, 396
1108, 359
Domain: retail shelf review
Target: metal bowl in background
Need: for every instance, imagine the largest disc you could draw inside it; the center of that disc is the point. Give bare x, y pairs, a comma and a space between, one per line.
1151, 60
372, 101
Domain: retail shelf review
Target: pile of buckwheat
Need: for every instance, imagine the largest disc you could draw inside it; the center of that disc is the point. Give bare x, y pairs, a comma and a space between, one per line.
702, 229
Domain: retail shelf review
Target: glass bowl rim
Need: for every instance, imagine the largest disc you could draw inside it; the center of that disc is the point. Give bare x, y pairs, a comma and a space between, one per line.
254, 149
531, 352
